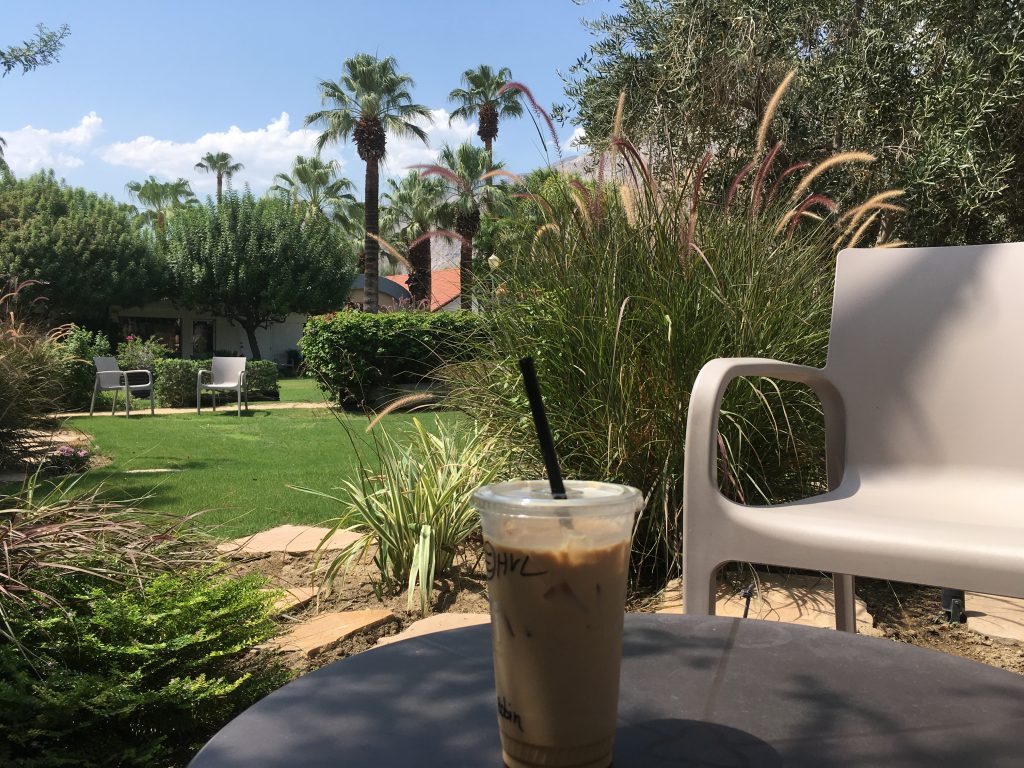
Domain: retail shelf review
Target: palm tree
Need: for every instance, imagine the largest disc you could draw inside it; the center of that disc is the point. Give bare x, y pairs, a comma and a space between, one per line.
5, 169
160, 198
220, 164
482, 97
412, 212
467, 172
318, 186
370, 100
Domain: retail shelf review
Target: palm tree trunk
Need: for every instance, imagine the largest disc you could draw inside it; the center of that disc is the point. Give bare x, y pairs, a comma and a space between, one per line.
220, 185
370, 246
466, 272
488, 143
419, 277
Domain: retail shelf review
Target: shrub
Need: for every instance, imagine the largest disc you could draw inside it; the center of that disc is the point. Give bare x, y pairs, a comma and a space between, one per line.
622, 295
138, 354
175, 380
118, 644
412, 503
134, 676
29, 391
351, 354
78, 346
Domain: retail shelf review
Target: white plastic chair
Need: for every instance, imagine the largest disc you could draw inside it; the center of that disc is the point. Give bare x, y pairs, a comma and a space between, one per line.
227, 375
923, 415
110, 378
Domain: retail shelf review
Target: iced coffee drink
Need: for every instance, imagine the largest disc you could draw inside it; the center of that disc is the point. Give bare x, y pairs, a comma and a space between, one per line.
556, 573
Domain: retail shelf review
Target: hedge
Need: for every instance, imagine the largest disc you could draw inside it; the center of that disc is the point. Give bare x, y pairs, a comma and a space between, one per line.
354, 354
176, 380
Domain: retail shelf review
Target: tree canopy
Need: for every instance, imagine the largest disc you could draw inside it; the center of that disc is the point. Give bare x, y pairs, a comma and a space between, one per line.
936, 93
370, 100
254, 261
85, 248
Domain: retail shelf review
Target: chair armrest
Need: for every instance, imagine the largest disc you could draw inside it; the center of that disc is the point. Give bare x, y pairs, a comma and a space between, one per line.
199, 376
243, 379
701, 458
149, 374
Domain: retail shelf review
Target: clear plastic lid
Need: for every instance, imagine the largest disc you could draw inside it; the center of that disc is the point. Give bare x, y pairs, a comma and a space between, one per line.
532, 498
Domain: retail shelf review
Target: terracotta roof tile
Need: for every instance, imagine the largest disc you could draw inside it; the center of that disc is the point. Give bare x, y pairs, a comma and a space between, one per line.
444, 286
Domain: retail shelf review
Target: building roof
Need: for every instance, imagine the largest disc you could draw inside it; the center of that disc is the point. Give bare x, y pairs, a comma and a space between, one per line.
445, 286
397, 291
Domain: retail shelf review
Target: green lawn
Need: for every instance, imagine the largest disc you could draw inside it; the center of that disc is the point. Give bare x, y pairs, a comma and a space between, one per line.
235, 470
300, 391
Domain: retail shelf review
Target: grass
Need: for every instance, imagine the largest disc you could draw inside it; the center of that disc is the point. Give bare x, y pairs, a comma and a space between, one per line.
300, 390
235, 470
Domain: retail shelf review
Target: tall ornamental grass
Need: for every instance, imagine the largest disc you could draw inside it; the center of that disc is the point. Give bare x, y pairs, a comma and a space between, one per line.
623, 288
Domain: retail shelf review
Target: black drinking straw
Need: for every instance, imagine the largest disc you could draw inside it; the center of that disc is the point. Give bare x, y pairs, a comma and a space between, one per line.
540, 421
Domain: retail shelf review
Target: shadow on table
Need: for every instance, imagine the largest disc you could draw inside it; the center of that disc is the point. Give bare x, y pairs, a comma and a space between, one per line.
690, 743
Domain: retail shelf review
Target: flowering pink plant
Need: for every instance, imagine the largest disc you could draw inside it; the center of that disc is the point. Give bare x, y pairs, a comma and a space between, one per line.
66, 460
129, 337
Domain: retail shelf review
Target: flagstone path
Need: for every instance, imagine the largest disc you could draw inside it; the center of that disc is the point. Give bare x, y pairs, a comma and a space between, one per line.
290, 539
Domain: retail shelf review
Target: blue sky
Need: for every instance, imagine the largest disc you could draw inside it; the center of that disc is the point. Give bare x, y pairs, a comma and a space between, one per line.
149, 87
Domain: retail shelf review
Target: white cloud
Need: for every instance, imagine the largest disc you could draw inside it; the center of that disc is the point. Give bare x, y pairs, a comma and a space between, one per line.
29, 149
406, 151
578, 140
264, 152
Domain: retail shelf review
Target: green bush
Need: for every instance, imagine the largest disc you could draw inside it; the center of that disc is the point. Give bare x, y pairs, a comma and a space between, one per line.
351, 354
138, 354
622, 295
119, 645
176, 380
136, 676
78, 374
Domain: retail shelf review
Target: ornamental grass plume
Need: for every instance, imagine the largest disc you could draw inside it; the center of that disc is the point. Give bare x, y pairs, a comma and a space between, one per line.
623, 291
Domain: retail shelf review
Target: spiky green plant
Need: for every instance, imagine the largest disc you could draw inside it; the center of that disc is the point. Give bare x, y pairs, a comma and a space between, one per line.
415, 511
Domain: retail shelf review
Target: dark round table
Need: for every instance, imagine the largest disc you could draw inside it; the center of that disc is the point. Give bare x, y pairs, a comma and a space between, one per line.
696, 691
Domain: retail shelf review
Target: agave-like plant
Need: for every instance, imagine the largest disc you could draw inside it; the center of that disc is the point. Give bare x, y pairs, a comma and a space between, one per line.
413, 505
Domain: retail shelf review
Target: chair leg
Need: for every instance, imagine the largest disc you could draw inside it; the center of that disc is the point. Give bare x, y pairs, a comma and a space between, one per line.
247, 399
199, 399
239, 401
92, 403
127, 401
699, 583
152, 407
215, 399
113, 408
846, 608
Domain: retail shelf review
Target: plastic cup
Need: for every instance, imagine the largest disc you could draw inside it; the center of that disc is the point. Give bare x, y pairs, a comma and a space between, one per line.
556, 581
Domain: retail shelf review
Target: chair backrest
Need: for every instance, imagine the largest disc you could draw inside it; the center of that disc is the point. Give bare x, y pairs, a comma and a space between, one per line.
107, 368
226, 370
925, 350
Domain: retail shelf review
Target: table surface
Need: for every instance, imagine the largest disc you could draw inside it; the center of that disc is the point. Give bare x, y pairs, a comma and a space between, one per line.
696, 691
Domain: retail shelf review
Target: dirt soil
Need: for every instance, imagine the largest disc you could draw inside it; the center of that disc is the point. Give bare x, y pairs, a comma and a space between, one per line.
466, 592
903, 612
912, 614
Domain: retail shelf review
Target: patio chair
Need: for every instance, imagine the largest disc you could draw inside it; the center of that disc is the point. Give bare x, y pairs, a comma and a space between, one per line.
110, 378
923, 420
227, 374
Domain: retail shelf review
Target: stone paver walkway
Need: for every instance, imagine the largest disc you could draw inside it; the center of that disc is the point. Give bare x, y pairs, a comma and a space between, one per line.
995, 616
290, 539
805, 600
327, 630
437, 623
